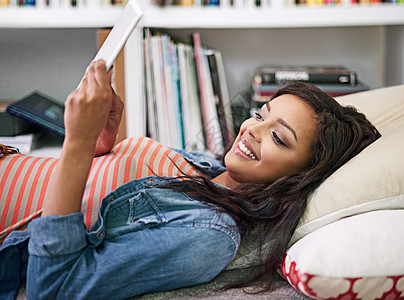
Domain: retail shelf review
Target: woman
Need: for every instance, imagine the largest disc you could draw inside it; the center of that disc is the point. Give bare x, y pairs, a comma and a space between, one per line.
164, 233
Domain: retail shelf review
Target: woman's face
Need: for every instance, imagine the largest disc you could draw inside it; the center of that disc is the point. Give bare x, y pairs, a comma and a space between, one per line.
274, 143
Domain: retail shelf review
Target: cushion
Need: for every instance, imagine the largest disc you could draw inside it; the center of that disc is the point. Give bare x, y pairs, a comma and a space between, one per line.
348, 244
372, 180
359, 257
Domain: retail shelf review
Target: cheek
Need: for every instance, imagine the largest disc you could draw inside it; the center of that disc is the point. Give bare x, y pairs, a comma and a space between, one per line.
277, 164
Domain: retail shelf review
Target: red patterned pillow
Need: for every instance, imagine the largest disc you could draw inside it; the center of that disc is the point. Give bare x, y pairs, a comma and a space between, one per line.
360, 257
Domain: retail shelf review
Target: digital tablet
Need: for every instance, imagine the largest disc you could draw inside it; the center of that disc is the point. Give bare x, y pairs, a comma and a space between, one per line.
120, 33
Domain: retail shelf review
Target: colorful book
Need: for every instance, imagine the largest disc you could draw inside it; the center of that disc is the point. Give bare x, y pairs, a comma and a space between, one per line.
264, 93
225, 94
192, 118
171, 93
313, 74
150, 96
225, 125
210, 119
186, 95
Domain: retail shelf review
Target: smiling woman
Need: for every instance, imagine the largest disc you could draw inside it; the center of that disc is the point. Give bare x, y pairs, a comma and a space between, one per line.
157, 233
279, 158
275, 143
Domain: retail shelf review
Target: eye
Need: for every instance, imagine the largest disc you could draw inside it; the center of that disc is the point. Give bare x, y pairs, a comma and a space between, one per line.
258, 116
277, 140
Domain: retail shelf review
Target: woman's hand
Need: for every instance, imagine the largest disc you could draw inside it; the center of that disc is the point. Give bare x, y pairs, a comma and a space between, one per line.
88, 109
87, 114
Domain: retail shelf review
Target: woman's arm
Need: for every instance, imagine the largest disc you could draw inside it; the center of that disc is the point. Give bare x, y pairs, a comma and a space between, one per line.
87, 111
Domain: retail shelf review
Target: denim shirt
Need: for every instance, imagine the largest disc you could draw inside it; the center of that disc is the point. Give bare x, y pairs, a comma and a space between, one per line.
146, 239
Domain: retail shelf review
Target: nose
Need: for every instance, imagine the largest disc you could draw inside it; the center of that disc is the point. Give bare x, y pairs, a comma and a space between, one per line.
255, 131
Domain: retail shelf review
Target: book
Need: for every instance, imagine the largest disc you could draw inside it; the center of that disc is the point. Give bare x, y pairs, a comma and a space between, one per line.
186, 94
224, 90
40, 110
172, 93
150, 97
313, 74
264, 93
222, 104
210, 119
159, 91
162, 95
192, 118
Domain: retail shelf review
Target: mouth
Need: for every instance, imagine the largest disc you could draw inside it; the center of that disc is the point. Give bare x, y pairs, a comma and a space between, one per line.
246, 149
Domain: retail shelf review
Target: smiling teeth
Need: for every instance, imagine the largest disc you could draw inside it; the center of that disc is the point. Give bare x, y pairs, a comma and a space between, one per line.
245, 150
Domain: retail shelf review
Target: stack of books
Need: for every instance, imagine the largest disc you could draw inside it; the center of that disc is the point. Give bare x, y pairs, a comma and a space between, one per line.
22, 122
339, 2
186, 95
334, 80
216, 3
61, 3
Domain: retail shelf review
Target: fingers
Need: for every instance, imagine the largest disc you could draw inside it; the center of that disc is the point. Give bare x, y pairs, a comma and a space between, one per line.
95, 75
100, 75
110, 73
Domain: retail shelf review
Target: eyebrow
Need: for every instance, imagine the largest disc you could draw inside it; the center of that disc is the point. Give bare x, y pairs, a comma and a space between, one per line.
282, 122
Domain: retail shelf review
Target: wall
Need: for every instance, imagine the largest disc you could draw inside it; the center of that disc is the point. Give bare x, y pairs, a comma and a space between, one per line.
359, 48
52, 61
395, 55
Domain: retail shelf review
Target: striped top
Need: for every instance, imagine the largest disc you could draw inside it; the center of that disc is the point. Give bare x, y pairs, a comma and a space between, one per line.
24, 179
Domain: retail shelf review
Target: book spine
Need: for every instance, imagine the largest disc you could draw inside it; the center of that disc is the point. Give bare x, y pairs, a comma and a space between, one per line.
201, 84
151, 112
266, 92
225, 94
286, 76
197, 136
218, 95
177, 94
159, 94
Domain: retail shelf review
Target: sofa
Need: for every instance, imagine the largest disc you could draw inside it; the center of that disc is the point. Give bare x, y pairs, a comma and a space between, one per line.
349, 244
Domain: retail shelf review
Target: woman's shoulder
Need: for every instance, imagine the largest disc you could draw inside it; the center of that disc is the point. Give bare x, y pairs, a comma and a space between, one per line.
165, 161
204, 162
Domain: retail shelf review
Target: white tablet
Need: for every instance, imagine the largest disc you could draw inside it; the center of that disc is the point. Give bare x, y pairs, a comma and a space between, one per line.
120, 33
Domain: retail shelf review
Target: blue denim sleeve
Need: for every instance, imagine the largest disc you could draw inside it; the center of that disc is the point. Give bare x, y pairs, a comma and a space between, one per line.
13, 264
46, 233
64, 265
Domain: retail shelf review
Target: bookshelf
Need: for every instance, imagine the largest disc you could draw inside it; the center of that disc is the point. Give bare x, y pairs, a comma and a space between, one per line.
29, 17
368, 38
277, 16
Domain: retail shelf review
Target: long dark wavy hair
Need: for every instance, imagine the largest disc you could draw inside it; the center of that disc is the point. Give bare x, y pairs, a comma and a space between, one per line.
275, 208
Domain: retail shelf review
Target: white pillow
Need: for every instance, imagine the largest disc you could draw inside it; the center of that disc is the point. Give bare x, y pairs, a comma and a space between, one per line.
360, 257
372, 180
